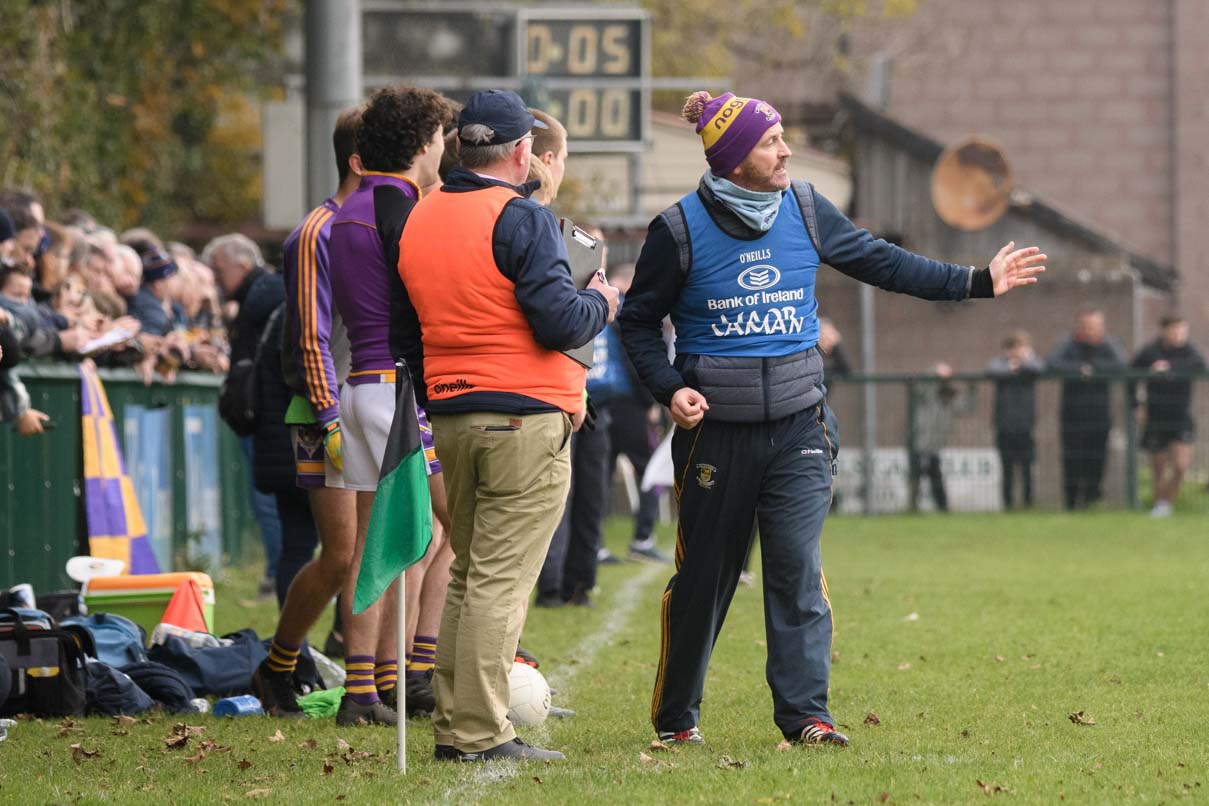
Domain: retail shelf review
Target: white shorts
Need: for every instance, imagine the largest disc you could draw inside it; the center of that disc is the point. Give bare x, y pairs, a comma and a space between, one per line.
366, 412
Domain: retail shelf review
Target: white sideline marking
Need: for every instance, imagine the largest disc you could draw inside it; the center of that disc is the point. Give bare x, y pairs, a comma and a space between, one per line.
585, 652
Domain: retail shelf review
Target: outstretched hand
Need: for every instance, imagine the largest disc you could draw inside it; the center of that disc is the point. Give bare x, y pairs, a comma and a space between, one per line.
1021, 267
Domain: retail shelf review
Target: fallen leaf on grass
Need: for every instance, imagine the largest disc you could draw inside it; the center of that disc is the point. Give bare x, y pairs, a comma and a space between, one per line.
883, 797
176, 742
965, 734
652, 761
211, 746
911, 617
244, 764
728, 763
1000, 659
1080, 718
277, 737
258, 793
78, 753
351, 756
328, 767
181, 729
659, 747
342, 745
904, 666
537, 780
121, 733
309, 744
993, 789
122, 719
196, 759
873, 719
784, 745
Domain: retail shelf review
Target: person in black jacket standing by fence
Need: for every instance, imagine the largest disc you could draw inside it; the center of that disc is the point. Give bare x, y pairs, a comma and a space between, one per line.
245, 280
1015, 374
734, 264
1086, 413
1169, 429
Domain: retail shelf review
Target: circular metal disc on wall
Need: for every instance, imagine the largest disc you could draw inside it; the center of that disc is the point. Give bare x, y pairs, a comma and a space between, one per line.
971, 184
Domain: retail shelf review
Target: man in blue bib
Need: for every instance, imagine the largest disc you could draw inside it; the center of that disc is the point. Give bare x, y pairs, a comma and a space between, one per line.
734, 264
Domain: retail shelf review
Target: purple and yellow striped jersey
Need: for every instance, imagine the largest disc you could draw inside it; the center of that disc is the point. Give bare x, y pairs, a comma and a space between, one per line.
361, 277
306, 357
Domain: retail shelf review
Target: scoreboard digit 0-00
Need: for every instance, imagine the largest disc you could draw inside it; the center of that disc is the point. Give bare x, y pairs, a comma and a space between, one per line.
587, 67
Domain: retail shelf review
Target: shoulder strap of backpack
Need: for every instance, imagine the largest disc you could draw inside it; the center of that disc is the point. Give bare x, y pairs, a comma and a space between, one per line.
677, 226
804, 193
262, 343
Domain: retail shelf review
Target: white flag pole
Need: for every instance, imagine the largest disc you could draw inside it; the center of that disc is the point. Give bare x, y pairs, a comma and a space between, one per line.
400, 685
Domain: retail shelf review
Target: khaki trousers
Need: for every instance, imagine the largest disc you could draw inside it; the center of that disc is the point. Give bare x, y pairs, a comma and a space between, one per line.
507, 479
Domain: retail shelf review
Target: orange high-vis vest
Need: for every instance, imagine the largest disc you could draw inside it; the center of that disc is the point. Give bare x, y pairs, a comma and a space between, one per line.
476, 337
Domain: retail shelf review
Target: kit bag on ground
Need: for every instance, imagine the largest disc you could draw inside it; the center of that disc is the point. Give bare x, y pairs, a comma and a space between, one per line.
222, 671
46, 665
111, 692
117, 640
163, 684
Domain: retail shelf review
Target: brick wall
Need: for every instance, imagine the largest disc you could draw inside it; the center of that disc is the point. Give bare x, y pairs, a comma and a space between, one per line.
1077, 91
1192, 161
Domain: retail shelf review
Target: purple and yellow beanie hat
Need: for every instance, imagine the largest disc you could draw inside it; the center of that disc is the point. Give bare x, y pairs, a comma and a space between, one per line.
729, 126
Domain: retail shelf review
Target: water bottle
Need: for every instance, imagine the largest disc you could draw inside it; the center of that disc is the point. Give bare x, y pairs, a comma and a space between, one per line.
5, 724
243, 705
200, 705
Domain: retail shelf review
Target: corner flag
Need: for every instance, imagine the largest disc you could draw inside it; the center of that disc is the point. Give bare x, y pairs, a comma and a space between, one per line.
400, 524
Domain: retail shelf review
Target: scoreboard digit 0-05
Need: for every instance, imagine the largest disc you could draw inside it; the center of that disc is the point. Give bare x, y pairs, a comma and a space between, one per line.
588, 67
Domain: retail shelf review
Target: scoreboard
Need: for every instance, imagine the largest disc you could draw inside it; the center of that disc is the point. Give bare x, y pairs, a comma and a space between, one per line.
588, 67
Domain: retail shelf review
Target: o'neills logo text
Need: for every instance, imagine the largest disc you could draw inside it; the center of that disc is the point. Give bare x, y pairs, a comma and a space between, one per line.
460, 385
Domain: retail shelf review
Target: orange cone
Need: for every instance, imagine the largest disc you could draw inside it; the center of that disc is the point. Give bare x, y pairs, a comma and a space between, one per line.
185, 609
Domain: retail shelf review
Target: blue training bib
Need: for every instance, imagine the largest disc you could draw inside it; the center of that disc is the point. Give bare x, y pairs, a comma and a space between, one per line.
747, 298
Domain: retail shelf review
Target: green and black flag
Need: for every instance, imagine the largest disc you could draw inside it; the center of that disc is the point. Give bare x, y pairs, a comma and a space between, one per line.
400, 526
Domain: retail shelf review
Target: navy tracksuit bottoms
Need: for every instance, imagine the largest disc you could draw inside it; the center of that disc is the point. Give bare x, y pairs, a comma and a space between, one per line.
780, 472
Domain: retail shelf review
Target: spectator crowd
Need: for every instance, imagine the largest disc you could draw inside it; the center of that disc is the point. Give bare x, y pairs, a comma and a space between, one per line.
72, 289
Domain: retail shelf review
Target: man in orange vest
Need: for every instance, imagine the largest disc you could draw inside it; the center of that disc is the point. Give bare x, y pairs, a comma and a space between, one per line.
490, 306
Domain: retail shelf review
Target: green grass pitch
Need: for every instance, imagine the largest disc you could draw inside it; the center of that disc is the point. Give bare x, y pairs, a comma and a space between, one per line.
973, 639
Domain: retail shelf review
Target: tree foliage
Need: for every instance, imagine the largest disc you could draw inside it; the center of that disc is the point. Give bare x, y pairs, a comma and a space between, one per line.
137, 111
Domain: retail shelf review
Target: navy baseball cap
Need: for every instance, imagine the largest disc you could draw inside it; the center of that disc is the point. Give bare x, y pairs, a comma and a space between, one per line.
502, 111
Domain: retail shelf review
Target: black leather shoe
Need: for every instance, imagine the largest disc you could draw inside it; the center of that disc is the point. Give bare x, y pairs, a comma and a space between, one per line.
446, 752
276, 692
377, 713
420, 699
515, 750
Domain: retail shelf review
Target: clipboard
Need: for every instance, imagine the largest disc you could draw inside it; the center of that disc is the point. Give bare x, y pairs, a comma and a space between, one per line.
584, 257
